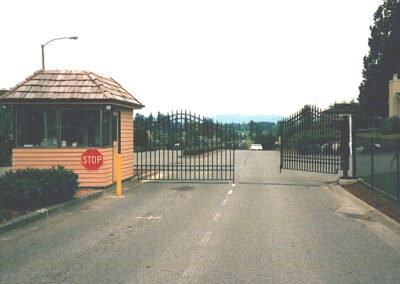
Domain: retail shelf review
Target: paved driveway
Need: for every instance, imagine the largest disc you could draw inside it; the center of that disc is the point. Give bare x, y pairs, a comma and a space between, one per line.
269, 228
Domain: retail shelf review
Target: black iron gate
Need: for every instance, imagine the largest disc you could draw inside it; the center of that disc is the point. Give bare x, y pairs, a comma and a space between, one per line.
316, 141
184, 146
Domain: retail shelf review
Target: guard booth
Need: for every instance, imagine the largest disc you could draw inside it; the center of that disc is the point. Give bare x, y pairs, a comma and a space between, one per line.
76, 119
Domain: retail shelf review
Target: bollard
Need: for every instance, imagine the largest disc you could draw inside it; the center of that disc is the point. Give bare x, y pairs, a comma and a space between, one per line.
119, 174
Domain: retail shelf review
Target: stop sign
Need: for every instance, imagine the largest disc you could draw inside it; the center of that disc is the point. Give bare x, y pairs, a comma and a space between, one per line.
92, 159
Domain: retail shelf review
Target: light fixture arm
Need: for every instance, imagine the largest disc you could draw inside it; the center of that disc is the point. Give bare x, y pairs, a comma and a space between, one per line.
43, 45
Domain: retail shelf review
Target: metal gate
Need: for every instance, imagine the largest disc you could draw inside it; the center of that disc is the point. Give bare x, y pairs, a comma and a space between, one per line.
316, 141
184, 146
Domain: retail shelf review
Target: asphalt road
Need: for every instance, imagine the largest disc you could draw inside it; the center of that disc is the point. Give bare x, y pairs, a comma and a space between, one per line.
269, 228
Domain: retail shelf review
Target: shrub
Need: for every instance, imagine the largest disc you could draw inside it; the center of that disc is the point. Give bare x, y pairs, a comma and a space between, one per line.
34, 188
391, 125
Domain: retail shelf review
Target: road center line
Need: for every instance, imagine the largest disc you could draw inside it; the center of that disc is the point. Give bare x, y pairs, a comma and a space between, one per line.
230, 192
189, 271
217, 216
206, 238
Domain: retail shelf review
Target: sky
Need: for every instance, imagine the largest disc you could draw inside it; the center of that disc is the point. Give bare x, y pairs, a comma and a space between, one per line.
209, 57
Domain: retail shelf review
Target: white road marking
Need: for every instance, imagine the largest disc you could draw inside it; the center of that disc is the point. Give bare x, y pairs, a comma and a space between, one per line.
224, 202
206, 238
233, 184
189, 271
115, 197
217, 216
230, 192
149, 217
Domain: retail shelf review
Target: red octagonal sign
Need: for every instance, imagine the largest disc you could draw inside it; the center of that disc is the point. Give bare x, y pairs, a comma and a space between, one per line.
92, 159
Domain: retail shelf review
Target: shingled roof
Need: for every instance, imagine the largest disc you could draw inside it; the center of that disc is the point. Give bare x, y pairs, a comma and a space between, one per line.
66, 86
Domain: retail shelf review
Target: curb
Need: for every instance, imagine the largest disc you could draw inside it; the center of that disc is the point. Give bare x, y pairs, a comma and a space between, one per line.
386, 220
47, 212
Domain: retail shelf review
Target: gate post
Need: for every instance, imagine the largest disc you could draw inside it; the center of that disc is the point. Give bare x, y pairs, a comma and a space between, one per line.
353, 145
345, 146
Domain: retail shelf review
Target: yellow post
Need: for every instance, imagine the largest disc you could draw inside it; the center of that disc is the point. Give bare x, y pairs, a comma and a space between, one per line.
119, 174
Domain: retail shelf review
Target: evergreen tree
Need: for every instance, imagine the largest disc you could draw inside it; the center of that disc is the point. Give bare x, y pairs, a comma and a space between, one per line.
382, 61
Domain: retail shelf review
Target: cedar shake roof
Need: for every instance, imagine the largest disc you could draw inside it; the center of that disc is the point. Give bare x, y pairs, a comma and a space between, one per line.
66, 85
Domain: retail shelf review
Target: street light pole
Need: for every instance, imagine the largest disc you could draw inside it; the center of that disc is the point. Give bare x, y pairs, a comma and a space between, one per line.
43, 45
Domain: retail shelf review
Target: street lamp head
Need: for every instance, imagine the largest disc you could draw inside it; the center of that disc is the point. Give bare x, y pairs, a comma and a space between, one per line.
73, 37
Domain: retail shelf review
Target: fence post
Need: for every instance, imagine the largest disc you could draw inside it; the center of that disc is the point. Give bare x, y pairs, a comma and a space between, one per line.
397, 169
345, 147
354, 145
372, 162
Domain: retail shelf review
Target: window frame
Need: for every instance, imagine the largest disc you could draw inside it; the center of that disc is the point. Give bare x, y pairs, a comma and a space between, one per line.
41, 108
102, 111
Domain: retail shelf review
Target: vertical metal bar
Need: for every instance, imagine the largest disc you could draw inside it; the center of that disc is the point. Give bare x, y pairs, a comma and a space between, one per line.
194, 145
173, 116
212, 151
325, 157
226, 150
159, 147
290, 138
177, 130
186, 141
216, 152
292, 142
199, 148
147, 144
231, 166
180, 148
315, 137
296, 144
221, 136
233, 149
283, 143
298, 128
203, 150
152, 176
218, 155
143, 126
189, 142
397, 170
166, 162
208, 148
280, 145
163, 147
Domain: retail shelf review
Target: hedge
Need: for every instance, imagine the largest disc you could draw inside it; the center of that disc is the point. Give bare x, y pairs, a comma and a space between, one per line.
35, 188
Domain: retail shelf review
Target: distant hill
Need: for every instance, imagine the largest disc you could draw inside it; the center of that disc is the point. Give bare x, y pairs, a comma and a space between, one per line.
238, 118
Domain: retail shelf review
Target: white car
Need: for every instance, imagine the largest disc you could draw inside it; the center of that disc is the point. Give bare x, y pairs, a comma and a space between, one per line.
256, 147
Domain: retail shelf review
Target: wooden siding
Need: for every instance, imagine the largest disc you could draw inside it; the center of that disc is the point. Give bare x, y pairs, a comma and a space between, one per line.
127, 143
70, 159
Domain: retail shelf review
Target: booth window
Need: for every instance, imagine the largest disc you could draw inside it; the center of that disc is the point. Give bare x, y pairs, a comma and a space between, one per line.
80, 128
37, 128
107, 124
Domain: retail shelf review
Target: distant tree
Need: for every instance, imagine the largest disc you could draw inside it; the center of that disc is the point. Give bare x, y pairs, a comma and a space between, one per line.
382, 61
269, 140
252, 129
139, 119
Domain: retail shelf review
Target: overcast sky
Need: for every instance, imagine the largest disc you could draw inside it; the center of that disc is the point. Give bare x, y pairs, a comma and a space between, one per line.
210, 57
